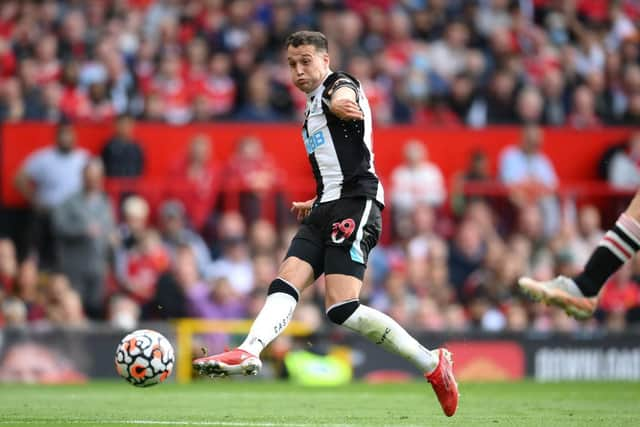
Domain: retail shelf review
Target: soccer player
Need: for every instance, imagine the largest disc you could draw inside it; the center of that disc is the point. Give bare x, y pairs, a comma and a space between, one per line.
578, 296
339, 227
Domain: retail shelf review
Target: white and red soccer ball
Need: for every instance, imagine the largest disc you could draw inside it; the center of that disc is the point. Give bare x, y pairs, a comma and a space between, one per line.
144, 358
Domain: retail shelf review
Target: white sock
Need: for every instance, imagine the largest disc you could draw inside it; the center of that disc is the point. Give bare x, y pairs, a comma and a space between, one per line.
383, 330
271, 321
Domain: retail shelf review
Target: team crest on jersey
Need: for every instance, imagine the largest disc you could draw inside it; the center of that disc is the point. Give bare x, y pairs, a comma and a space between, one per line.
342, 230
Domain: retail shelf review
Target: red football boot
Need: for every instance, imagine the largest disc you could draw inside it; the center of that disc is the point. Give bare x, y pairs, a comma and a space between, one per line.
234, 362
444, 384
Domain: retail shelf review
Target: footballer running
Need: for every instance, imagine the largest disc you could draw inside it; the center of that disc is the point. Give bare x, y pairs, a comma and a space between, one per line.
339, 227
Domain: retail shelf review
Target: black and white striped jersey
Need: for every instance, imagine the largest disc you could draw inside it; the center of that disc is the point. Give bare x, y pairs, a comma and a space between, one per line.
340, 151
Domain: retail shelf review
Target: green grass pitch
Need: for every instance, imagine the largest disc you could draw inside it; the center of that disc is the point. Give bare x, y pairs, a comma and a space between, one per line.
254, 404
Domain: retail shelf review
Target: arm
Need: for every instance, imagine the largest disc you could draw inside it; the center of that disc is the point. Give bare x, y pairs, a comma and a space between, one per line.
26, 179
109, 224
25, 187
344, 100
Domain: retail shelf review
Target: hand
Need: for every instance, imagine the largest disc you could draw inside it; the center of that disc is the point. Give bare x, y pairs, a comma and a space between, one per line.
346, 109
302, 209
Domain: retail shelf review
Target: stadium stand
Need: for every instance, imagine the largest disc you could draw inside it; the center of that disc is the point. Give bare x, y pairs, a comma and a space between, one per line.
442, 66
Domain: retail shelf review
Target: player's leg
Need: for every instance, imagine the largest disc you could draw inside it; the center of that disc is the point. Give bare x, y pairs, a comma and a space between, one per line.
301, 266
344, 308
355, 230
282, 297
578, 295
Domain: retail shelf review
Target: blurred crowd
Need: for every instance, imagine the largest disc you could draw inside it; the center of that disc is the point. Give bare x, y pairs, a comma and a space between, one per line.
449, 262
443, 63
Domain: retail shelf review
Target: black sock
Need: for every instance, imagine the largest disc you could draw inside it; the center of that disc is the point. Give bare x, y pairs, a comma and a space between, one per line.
616, 247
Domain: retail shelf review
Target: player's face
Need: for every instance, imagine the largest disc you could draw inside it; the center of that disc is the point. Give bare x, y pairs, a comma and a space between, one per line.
308, 66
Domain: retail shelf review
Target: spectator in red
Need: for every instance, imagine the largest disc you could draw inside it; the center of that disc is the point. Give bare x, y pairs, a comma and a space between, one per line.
139, 268
217, 87
193, 181
401, 46
437, 114
195, 70
100, 106
140, 259
74, 103
621, 292
48, 65
7, 59
122, 155
254, 176
172, 89
144, 63
583, 115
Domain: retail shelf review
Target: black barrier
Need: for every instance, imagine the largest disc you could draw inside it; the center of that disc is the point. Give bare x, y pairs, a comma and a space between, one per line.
72, 355
544, 357
46, 355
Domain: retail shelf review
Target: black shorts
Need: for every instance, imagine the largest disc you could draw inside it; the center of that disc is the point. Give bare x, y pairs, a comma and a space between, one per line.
337, 236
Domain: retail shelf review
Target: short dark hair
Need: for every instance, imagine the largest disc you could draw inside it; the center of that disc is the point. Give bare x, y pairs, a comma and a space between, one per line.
63, 126
313, 38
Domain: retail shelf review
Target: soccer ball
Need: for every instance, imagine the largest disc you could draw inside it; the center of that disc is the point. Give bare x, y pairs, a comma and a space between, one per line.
144, 358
